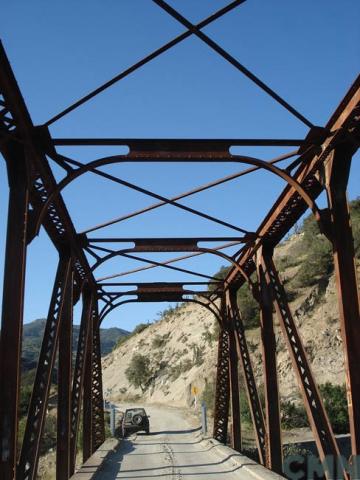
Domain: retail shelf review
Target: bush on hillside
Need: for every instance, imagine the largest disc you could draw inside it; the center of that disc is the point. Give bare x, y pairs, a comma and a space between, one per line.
138, 372
160, 340
318, 262
210, 336
355, 220
140, 328
292, 415
249, 308
334, 397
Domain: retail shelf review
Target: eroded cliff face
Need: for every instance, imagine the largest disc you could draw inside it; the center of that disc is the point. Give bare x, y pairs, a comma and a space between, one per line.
182, 346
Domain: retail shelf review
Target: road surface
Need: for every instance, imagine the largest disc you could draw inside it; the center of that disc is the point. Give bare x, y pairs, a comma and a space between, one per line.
173, 450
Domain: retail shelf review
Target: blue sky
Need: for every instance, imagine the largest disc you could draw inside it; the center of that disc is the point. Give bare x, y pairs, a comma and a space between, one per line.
306, 51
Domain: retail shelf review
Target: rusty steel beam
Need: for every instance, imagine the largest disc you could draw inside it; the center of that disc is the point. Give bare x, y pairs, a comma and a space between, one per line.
84, 168
189, 193
236, 440
166, 264
321, 428
336, 178
57, 221
64, 385
13, 309
289, 207
273, 459
146, 60
229, 58
222, 392
97, 416
79, 372
128, 284
29, 456
250, 384
154, 145
165, 242
87, 445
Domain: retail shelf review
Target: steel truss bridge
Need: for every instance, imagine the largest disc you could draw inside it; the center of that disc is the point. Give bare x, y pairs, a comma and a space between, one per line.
321, 162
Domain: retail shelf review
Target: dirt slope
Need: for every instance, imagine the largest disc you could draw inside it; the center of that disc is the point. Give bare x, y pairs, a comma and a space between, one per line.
182, 346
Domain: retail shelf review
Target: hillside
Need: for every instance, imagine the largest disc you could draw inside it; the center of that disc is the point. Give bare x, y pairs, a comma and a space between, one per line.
161, 362
33, 334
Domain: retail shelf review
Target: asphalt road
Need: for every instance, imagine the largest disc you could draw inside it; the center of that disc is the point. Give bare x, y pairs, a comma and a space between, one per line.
173, 450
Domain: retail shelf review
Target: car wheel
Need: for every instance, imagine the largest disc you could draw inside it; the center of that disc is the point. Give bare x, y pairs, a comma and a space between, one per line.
137, 420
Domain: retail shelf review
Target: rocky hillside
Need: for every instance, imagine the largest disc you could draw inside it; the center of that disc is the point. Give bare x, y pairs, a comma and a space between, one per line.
165, 359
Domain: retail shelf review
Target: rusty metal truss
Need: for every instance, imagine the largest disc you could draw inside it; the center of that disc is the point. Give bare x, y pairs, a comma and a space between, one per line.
320, 162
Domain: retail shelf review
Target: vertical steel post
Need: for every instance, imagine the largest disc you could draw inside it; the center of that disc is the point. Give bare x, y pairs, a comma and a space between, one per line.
222, 393
235, 394
234, 380
64, 385
29, 455
12, 311
271, 386
337, 174
87, 396
78, 379
250, 384
319, 422
98, 421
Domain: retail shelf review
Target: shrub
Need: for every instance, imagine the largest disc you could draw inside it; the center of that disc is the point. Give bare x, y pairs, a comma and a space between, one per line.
121, 341
249, 308
25, 395
318, 261
159, 340
210, 336
140, 328
198, 355
176, 370
48, 439
355, 220
138, 372
293, 416
220, 275
334, 397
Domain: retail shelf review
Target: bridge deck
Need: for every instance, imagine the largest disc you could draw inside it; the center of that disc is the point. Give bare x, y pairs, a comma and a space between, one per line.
173, 450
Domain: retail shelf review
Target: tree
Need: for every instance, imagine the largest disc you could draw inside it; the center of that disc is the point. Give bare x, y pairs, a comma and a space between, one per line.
335, 402
138, 372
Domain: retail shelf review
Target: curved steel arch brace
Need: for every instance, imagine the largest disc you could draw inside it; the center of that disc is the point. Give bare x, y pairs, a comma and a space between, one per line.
223, 255
91, 166
113, 306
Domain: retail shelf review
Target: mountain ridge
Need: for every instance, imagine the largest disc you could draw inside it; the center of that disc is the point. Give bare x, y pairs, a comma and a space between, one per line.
33, 334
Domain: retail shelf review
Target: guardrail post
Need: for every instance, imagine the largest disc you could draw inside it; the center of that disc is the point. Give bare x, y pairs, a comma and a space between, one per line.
204, 427
112, 419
